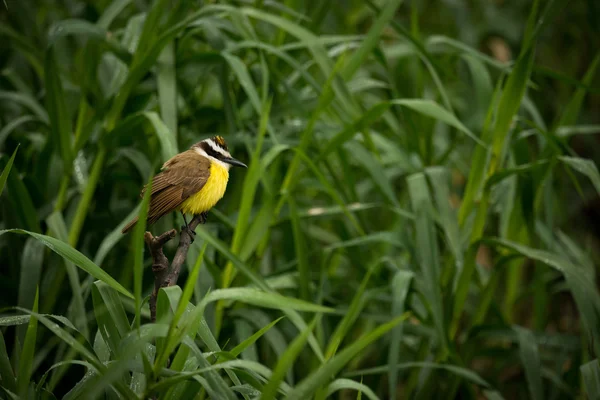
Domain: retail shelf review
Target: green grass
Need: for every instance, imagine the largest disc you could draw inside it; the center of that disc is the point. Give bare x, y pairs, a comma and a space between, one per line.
418, 219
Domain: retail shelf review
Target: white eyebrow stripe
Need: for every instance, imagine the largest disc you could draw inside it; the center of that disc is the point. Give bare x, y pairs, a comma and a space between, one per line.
216, 148
211, 158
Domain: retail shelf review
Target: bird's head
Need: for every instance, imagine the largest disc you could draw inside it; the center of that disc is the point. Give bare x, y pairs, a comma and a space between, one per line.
215, 148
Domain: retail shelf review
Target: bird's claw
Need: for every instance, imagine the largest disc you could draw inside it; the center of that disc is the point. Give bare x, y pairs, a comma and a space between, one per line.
189, 230
203, 217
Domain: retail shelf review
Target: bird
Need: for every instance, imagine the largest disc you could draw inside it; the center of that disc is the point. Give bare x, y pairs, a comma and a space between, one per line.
190, 182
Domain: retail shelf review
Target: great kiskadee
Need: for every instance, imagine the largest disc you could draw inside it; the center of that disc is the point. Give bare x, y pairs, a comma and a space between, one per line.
191, 182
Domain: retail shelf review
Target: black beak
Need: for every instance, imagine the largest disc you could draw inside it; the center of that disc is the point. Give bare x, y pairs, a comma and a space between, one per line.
234, 162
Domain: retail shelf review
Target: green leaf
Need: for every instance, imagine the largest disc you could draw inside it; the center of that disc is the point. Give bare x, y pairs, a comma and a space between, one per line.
7, 169
440, 183
262, 298
27, 354
301, 251
365, 119
110, 315
285, 362
60, 121
458, 371
586, 167
356, 305
579, 280
508, 105
434, 110
168, 143
31, 267
590, 373
182, 306
57, 225
374, 169
427, 250
86, 199
237, 350
13, 125
167, 88
6, 372
251, 179
348, 384
323, 374
69, 253
372, 40
400, 286
14, 320
530, 357
110, 240
111, 12
21, 201
27, 101
79, 27
137, 247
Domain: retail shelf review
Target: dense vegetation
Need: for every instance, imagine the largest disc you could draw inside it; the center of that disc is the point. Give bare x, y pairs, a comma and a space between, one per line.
419, 218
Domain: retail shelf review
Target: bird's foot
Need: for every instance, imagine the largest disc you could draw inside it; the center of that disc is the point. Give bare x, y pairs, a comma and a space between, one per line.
204, 217
191, 233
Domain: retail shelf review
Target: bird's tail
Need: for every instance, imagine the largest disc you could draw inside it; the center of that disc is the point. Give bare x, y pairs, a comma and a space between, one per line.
129, 226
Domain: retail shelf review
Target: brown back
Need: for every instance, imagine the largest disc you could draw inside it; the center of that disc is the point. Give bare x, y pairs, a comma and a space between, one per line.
181, 176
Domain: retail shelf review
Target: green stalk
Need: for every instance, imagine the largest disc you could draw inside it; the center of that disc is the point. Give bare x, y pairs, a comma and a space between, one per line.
86, 199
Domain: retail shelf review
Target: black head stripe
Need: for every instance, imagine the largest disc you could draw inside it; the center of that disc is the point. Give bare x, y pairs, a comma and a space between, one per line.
210, 151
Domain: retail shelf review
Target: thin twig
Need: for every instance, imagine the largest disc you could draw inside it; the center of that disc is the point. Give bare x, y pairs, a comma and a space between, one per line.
184, 246
160, 264
163, 275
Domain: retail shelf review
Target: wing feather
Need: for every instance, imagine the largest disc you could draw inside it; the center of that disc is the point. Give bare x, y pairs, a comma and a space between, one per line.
182, 176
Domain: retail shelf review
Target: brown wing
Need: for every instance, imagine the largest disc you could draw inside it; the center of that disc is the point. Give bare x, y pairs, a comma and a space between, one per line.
181, 176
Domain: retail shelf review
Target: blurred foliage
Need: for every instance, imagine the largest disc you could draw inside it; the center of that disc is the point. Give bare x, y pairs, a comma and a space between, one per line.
419, 218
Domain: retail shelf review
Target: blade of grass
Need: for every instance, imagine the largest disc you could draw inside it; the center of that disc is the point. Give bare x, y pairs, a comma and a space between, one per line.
508, 106
354, 309
427, 251
86, 198
137, 247
434, 110
167, 88
372, 40
400, 286
349, 384
27, 353
459, 371
249, 189
301, 251
22, 202
184, 299
590, 372
69, 253
58, 227
530, 357
28, 102
6, 370
6, 170
237, 350
60, 124
323, 374
293, 316
579, 281
586, 167
286, 361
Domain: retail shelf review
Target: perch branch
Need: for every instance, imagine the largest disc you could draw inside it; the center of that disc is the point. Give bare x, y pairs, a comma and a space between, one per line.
184, 246
163, 275
160, 264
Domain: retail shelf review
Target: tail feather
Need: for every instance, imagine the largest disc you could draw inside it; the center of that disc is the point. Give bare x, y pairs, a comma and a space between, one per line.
129, 226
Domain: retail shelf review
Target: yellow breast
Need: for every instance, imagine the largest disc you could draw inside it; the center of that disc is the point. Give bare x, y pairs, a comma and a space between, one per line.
210, 194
